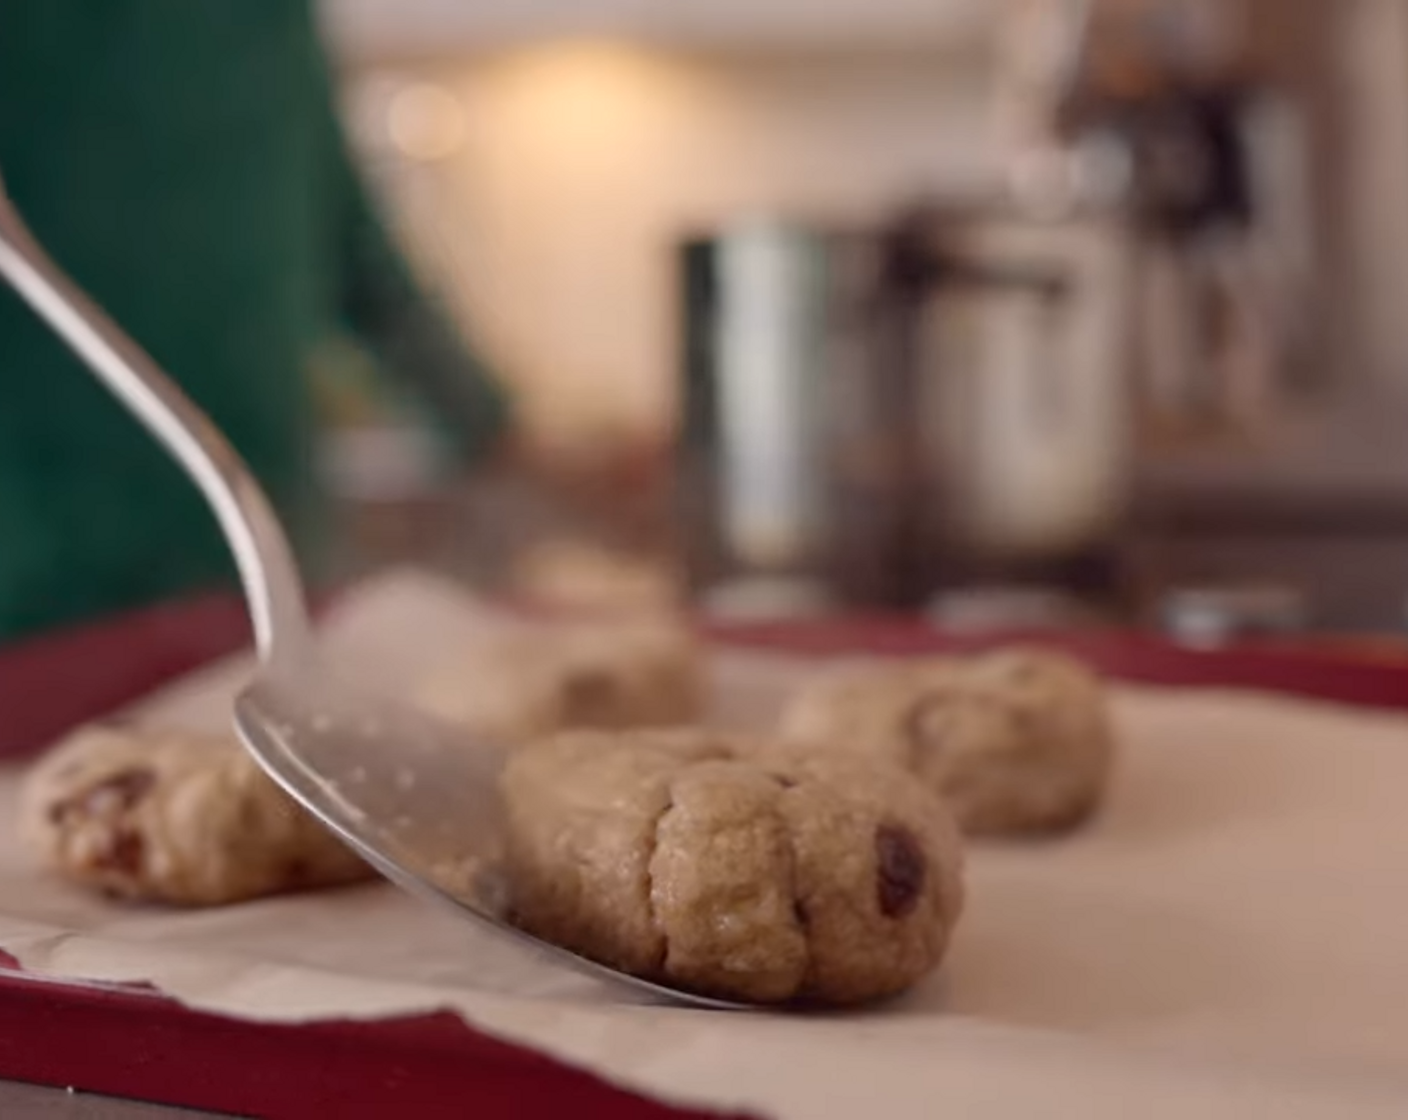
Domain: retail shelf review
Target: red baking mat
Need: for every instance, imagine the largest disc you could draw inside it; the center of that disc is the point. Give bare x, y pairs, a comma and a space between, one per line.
126, 1042
1340, 671
70, 676
100, 1038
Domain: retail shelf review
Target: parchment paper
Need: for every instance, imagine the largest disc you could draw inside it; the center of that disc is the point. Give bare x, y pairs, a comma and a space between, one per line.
1229, 939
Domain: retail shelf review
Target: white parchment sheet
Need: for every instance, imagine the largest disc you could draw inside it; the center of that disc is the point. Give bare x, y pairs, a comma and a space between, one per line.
1229, 939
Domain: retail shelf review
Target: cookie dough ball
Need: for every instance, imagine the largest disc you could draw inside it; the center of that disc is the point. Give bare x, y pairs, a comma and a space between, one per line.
533, 684
1016, 742
572, 575
738, 869
176, 817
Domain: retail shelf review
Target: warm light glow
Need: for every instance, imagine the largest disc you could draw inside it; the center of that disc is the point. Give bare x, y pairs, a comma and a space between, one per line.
586, 92
426, 122
584, 162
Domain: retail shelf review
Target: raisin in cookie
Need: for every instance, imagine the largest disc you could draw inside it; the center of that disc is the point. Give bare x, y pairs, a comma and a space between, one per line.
532, 684
738, 869
1017, 741
171, 816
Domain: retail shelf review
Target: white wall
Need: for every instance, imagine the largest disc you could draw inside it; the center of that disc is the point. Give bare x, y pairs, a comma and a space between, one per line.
415, 28
575, 168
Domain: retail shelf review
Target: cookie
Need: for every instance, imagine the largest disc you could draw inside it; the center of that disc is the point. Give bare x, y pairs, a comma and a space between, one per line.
1016, 742
175, 817
532, 684
739, 869
571, 575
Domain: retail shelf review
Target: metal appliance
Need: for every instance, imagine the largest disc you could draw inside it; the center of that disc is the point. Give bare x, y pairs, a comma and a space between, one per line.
877, 415
1196, 228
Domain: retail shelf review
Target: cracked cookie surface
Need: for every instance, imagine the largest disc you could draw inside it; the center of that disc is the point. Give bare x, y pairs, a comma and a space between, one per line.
733, 867
581, 675
176, 817
1017, 741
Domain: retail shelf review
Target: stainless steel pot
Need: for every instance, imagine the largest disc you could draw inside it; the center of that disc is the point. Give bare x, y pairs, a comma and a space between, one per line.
887, 412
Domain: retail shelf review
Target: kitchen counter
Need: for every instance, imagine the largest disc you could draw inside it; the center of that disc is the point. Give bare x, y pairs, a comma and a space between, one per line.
1321, 505
1341, 463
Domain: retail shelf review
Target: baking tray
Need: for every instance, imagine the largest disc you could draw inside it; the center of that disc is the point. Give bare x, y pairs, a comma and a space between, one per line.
131, 1041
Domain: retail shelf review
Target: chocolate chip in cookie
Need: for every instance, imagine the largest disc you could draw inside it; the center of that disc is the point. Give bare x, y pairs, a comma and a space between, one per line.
900, 870
125, 853
588, 692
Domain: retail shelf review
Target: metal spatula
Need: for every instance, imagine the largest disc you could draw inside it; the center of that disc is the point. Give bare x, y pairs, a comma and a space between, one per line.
413, 797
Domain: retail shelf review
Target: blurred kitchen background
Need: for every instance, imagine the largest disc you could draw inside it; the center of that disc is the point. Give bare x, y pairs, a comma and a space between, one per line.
1016, 312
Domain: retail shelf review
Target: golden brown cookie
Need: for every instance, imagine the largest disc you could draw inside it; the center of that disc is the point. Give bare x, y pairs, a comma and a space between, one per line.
172, 816
571, 575
734, 868
1017, 741
532, 684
